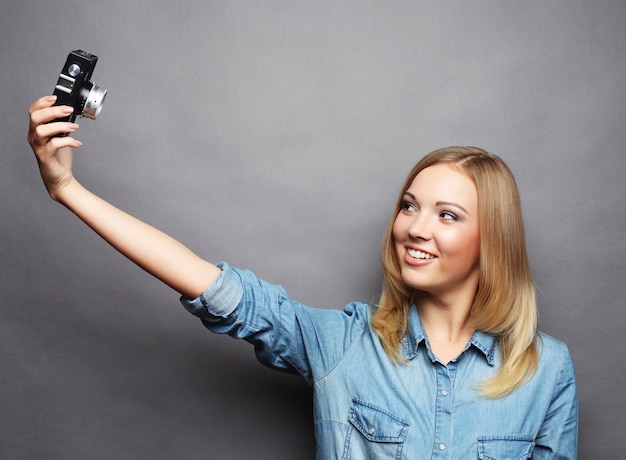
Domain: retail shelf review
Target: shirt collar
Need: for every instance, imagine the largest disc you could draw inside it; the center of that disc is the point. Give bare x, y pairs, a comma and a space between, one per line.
416, 336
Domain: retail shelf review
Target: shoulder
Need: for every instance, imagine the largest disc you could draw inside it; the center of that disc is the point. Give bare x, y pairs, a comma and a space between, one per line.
550, 347
554, 357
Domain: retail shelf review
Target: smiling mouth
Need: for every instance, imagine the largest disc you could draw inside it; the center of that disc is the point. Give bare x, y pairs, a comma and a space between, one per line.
414, 253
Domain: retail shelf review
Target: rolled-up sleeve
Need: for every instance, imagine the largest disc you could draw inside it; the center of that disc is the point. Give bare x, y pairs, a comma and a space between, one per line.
220, 299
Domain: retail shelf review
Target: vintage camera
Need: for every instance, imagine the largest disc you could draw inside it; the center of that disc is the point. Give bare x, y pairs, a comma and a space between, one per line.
75, 89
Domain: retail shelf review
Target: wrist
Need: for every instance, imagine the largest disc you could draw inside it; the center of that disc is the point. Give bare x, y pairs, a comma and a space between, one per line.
64, 193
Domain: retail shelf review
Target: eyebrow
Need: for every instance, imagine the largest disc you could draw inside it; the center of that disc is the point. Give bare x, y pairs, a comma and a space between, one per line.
440, 203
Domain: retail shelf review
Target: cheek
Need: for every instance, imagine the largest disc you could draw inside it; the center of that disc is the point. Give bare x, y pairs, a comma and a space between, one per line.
398, 232
466, 246
398, 229
453, 239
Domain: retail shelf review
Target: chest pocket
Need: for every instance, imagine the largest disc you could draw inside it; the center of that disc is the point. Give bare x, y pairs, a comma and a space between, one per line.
374, 432
515, 447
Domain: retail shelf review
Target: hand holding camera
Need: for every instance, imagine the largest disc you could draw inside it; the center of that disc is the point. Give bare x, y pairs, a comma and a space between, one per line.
52, 119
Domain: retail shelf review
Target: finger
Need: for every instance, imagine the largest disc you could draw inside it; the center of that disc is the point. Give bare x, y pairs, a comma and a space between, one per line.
42, 134
48, 130
46, 101
59, 143
46, 151
47, 114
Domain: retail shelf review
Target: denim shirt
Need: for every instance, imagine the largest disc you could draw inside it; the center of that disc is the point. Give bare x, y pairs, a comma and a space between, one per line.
367, 407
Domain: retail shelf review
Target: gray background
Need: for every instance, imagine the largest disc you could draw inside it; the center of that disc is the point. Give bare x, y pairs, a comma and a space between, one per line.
275, 135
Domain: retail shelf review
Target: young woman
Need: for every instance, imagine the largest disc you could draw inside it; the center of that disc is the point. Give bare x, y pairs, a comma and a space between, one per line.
448, 365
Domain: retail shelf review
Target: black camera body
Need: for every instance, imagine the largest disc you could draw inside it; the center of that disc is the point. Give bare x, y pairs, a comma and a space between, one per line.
74, 88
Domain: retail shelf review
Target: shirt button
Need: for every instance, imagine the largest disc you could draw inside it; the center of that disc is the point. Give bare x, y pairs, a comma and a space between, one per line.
442, 446
444, 392
371, 431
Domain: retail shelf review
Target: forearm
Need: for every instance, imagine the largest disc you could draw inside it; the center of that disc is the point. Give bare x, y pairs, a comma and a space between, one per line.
152, 250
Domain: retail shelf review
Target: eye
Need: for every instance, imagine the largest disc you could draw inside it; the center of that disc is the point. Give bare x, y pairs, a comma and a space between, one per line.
408, 206
449, 216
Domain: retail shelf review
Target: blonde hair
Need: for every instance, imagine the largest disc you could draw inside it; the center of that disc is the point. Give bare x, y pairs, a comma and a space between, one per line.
504, 304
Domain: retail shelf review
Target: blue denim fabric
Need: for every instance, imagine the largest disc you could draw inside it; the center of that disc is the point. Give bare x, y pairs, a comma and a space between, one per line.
367, 407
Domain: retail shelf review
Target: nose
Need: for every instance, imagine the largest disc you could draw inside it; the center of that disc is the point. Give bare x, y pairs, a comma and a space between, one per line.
419, 227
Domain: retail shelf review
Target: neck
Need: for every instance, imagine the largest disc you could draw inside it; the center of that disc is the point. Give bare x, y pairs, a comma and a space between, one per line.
443, 317
446, 322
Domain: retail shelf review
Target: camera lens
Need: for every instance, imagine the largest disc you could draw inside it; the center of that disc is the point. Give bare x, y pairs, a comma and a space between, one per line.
94, 101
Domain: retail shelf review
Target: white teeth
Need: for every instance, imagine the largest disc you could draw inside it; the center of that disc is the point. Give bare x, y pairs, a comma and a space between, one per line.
419, 254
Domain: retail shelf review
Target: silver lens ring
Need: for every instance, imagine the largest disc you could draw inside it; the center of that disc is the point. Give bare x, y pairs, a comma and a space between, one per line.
93, 104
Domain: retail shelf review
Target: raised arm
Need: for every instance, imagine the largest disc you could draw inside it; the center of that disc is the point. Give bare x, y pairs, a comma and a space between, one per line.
154, 251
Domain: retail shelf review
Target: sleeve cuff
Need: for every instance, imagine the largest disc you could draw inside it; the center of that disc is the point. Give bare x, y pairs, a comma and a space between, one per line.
220, 299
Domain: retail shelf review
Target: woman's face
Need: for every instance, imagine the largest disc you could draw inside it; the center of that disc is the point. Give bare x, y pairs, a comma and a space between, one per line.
436, 232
